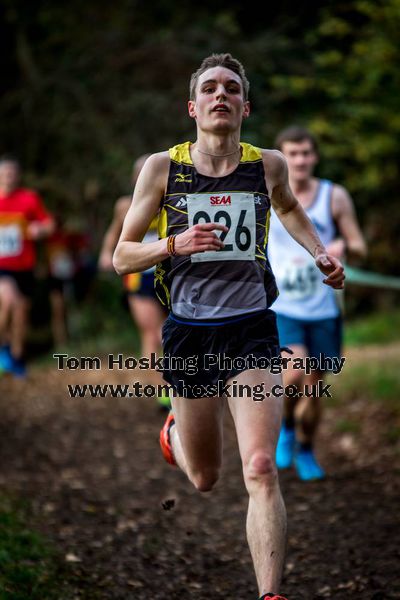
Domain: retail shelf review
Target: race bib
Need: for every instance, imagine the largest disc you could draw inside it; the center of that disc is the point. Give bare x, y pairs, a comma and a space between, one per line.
237, 212
298, 280
10, 240
62, 266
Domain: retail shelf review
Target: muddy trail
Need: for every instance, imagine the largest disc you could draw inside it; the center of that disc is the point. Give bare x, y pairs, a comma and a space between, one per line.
131, 527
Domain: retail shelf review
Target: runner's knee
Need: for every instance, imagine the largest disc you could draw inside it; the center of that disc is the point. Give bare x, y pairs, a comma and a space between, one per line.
260, 470
204, 479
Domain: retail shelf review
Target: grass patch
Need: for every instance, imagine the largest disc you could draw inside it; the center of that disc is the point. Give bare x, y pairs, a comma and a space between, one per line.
393, 434
348, 426
377, 382
30, 568
377, 328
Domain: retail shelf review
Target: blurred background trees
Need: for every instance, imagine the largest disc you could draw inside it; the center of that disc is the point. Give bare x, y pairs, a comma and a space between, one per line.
89, 86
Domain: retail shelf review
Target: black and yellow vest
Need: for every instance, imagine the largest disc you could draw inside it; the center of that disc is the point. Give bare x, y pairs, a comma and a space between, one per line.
215, 289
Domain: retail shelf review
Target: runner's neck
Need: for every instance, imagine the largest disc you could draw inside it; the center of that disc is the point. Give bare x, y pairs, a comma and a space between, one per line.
216, 157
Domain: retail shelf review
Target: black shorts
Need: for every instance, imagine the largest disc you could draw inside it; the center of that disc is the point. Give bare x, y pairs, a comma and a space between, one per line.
140, 284
24, 280
205, 354
55, 284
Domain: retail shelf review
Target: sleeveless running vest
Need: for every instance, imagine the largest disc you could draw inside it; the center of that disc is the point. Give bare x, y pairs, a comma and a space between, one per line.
223, 284
302, 295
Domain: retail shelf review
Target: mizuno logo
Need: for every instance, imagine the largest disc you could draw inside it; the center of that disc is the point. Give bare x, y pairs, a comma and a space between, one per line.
182, 178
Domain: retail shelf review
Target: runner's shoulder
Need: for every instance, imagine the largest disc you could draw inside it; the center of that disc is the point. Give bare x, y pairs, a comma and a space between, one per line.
28, 195
341, 199
275, 164
158, 161
156, 168
339, 191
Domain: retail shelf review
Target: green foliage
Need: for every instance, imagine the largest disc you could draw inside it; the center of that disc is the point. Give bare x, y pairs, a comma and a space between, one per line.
378, 328
29, 566
348, 426
372, 352
91, 87
376, 381
347, 94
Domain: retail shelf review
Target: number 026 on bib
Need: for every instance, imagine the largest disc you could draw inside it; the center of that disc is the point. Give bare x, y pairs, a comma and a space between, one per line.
237, 212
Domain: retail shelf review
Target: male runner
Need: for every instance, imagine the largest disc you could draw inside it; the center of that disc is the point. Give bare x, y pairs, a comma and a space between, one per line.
219, 288
308, 314
145, 308
23, 221
68, 254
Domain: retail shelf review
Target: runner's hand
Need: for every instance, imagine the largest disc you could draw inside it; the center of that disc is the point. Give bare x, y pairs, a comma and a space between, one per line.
199, 238
105, 262
34, 230
332, 267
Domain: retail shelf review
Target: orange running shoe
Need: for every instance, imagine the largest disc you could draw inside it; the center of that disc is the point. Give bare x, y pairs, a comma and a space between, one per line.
269, 597
165, 440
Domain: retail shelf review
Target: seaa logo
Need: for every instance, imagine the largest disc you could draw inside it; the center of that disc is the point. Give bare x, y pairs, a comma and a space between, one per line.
220, 200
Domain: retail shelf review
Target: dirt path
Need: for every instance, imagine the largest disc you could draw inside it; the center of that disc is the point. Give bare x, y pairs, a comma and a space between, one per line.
98, 484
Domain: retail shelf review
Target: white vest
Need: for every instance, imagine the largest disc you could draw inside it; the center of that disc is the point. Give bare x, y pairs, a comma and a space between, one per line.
302, 295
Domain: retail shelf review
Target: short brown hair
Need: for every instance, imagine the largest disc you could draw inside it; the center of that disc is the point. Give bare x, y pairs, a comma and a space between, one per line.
295, 133
10, 158
220, 60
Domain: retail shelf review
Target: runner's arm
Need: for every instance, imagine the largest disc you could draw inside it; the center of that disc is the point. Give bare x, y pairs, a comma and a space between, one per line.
42, 224
131, 255
38, 230
344, 215
295, 220
113, 232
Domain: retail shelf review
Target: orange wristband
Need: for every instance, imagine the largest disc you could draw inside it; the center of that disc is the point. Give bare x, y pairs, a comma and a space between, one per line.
171, 245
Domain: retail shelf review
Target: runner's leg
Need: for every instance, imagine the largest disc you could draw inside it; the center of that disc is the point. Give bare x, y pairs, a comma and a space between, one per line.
323, 339
149, 317
58, 317
19, 326
292, 376
196, 439
257, 427
8, 297
308, 411
308, 416
287, 437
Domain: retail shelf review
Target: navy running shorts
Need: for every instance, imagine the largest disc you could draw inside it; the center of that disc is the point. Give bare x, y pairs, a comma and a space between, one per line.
322, 336
232, 341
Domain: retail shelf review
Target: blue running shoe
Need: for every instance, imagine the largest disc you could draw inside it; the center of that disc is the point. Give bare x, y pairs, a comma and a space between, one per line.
285, 447
306, 465
9, 364
6, 360
18, 367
